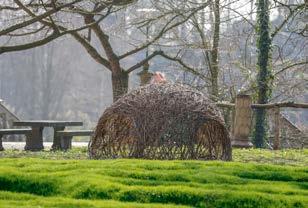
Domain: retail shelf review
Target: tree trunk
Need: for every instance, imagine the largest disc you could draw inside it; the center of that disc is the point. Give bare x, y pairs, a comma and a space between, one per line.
119, 84
214, 54
264, 72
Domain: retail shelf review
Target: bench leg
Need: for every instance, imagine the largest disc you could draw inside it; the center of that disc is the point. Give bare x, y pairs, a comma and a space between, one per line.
34, 141
1, 147
66, 142
57, 139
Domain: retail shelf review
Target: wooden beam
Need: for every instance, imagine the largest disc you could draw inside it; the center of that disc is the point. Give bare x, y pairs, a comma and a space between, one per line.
268, 105
281, 105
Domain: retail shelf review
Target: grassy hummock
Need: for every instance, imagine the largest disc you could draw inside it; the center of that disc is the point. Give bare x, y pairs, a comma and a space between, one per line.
46, 179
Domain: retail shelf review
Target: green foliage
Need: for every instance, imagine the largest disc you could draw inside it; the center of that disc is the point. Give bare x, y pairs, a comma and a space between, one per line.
143, 183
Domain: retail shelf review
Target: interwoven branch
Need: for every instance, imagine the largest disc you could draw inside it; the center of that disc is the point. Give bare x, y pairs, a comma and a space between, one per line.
162, 121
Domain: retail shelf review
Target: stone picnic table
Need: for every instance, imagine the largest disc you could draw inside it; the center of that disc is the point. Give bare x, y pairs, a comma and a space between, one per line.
34, 141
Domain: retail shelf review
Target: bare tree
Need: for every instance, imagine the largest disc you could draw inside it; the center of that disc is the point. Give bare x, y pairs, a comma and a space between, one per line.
57, 24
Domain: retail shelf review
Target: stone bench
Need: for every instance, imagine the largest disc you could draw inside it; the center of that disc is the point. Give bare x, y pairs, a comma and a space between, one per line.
66, 137
12, 132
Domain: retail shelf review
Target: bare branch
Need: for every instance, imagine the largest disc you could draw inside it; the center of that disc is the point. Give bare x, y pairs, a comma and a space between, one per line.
27, 33
188, 68
290, 66
36, 19
34, 44
90, 49
141, 63
285, 21
104, 39
165, 29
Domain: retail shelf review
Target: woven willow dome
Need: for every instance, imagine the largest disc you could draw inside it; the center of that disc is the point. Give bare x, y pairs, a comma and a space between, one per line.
161, 121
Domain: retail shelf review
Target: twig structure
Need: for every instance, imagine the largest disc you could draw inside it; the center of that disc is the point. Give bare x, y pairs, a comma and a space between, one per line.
162, 121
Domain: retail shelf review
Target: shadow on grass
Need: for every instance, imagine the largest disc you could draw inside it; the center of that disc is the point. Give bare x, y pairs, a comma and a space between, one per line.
35, 186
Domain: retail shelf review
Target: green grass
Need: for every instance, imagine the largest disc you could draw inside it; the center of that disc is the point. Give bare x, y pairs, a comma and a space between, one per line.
294, 157
75, 154
55, 180
282, 157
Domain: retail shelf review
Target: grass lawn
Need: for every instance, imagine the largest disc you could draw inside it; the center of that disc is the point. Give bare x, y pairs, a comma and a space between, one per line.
256, 178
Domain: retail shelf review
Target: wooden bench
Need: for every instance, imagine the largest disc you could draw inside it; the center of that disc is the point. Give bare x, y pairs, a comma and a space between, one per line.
66, 137
12, 132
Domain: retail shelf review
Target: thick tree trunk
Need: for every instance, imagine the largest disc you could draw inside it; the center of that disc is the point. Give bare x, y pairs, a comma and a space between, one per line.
264, 74
119, 84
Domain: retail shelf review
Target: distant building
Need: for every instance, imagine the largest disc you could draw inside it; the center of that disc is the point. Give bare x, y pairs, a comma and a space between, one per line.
7, 117
291, 136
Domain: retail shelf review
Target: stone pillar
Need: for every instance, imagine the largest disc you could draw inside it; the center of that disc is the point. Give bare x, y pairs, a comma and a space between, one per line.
57, 138
34, 140
242, 121
66, 142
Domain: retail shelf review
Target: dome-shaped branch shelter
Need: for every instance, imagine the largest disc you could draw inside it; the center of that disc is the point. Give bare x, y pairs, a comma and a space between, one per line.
161, 121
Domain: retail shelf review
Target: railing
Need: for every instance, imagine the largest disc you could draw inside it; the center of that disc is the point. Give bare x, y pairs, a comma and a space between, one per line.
268, 105
243, 114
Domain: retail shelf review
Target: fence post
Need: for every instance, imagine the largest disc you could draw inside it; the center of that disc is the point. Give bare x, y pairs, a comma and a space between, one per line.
276, 145
242, 121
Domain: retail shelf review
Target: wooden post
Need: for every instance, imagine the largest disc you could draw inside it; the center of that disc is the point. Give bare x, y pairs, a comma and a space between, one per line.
276, 145
145, 75
1, 146
242, 122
